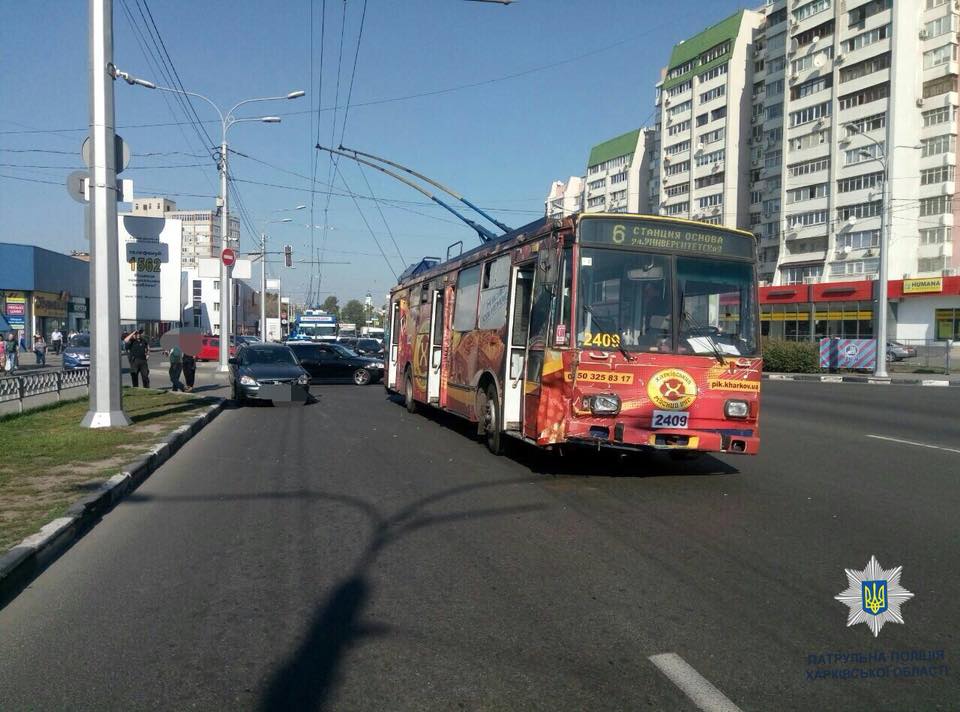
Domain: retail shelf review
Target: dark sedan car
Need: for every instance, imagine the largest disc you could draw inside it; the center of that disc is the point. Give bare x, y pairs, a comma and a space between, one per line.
268, 372
334, 363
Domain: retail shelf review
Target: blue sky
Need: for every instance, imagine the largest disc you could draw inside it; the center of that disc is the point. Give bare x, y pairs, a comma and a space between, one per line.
587, 71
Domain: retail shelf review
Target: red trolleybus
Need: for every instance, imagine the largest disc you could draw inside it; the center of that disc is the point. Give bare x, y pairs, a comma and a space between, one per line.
619, 331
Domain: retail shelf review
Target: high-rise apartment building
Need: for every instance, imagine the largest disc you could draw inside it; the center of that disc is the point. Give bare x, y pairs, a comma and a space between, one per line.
565, 198
618, 174
201, 228
703, 103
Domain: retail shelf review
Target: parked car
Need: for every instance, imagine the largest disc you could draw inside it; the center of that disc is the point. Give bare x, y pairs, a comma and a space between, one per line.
258, 369
898, 352
210, 348
334, 363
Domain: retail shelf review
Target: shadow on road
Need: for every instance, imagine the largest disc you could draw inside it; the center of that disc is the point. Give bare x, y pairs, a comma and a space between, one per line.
583, 461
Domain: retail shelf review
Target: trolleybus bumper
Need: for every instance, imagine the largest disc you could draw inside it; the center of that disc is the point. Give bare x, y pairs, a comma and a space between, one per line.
739, 441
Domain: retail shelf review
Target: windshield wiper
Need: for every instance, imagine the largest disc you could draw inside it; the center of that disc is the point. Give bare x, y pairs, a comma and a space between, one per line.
717, 351
598, 319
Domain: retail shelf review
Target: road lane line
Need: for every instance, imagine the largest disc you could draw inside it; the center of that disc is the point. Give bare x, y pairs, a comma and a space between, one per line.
694, 685
911, 442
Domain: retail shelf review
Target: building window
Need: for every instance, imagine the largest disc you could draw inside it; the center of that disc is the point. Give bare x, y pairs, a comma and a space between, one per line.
715, 52
811, 113
774, 111
677, 208
854, 156
677, 168
939, 115
772, 206
618, 177
811, 9
597, 184
935, 236
860, 210
679, 88
940, 86
772, 159
712, 179
809, 192
948, 324
947, 143
862, 239
705, 159
679, 108
703, 119
774, 88
594, 202
804, 63
940, 55
677, 148
864, 182
717, 71
712, 136
854, 267
675, 190
941, 25
865, 96
811, 86
796, 274
679, 128
681, 70
931, 264
713, 94
709, 201
942, 174
216, 306
755, 196
813, 217
820, 31
939, 205
808, 167
868, 38
868, 66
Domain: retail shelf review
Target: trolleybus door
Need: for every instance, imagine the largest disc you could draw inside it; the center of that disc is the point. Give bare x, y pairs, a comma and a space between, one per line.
436, 347
394, 345
544, 279
517, 335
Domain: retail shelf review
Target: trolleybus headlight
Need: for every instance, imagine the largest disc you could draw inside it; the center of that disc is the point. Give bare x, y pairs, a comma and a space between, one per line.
736, 409
604, 403
247, 381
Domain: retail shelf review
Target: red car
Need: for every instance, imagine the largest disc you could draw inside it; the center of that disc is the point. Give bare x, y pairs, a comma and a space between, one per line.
210, 349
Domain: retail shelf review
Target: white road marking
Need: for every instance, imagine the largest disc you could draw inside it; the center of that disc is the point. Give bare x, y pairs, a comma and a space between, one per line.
911, 442
933, 382
694, 685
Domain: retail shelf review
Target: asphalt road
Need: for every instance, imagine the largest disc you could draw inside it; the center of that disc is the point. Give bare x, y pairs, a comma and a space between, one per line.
350, 556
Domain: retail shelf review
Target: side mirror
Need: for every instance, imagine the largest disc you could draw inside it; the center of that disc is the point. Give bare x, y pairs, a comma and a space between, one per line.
233, 361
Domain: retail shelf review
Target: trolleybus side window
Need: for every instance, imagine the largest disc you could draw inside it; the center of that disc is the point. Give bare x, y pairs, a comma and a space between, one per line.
493, 294
465, 303
561, 316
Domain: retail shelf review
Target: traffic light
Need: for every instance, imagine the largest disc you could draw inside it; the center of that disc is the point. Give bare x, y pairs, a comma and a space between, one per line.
288, 255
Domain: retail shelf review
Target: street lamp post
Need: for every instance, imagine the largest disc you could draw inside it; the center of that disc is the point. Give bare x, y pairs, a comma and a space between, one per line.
263, 266
226, 121
880, 366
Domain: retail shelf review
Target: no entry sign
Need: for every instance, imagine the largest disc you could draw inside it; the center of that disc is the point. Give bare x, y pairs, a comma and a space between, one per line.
228, 257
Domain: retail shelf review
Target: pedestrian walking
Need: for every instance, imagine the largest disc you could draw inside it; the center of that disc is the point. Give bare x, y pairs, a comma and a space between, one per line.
10, 352
56, 341
176, 368
137, 355
3, 355
40, 349
189, 371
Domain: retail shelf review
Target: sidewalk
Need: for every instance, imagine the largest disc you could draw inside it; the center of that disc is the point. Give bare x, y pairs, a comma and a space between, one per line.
897, 379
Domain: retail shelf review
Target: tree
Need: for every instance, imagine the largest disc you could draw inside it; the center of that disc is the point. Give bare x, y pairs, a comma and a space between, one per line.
330, 305
353, 313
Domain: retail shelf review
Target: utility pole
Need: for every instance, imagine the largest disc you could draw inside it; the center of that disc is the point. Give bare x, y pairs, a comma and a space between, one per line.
106, 401
225, 272
263, 287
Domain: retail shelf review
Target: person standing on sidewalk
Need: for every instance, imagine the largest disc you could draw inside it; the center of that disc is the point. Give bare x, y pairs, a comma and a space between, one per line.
137, 355
10, 352
40, 349
56, 341
176, 367
189, 370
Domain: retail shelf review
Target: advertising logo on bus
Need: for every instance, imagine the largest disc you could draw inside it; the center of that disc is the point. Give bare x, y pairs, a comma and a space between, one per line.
672, 389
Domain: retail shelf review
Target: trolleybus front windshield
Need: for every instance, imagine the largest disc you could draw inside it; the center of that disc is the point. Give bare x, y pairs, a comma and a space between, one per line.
631, 300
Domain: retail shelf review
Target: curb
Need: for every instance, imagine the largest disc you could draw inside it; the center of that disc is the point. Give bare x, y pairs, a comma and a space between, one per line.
873, 380
20, 564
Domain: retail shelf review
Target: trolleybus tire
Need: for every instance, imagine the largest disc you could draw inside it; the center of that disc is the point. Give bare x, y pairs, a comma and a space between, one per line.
491, 421
408, 394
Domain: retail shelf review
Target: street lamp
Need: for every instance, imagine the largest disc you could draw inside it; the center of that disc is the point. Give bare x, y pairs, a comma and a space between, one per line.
880, 366
226, 121
263, 265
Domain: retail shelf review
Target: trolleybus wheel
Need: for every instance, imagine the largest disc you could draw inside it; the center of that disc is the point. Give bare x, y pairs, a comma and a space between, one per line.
408, 394
491, 421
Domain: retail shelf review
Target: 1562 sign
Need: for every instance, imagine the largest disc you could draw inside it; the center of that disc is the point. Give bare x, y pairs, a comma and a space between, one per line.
145, 264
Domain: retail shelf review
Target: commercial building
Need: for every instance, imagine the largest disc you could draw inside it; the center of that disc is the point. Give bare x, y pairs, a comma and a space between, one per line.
42, 291
703, 105
200, 299
201, 228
